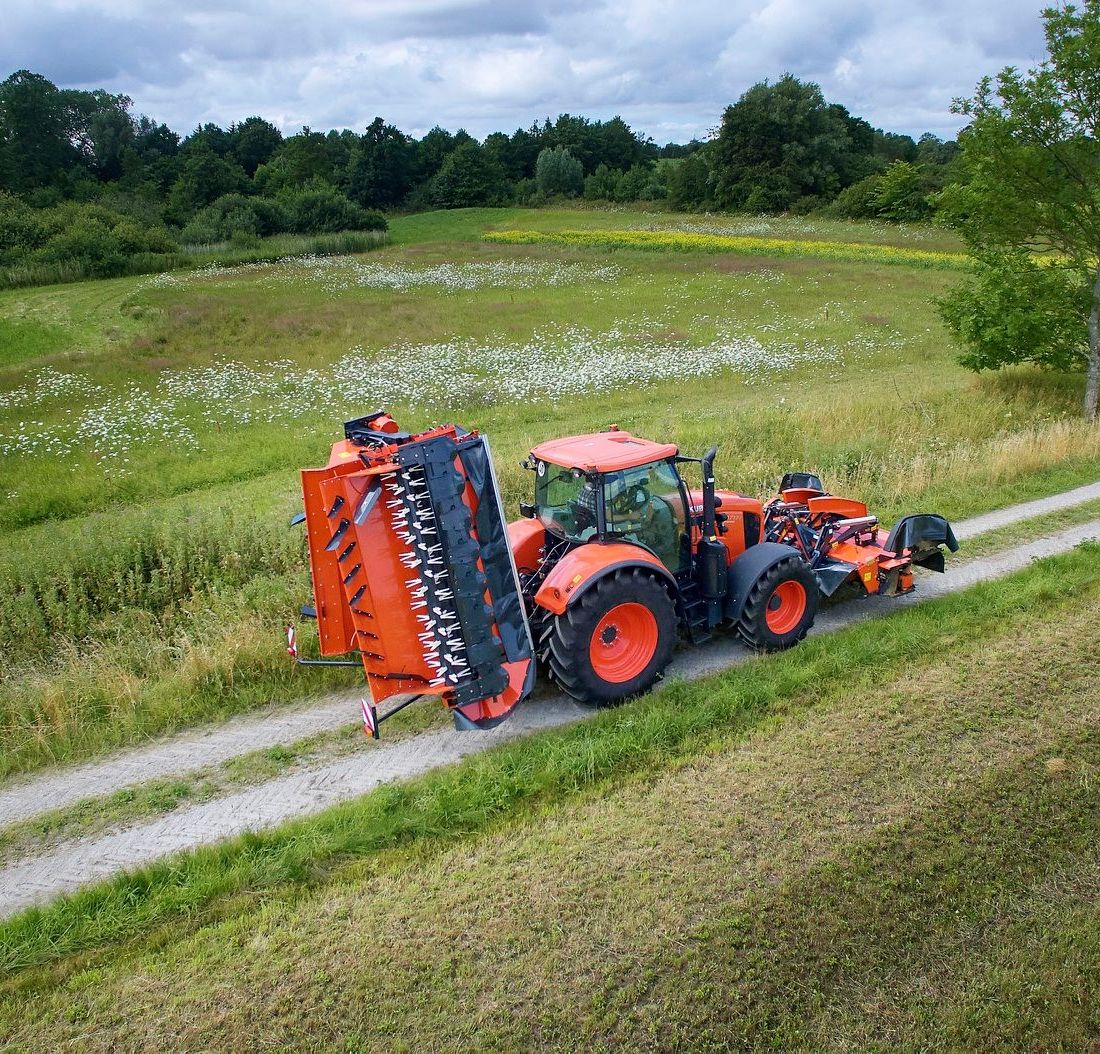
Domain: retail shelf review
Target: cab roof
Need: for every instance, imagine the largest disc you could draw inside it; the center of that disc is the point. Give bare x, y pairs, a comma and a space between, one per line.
603, 451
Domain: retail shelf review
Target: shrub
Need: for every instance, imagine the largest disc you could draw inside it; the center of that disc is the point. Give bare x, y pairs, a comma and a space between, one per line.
901, 194
689, 183
245, 240
133, 238
857, 202
202, 230
73, 241
805, 205
640, 183
469, 176
86, 240
234, 214
603, 184
326, 211
21, 229
526, 192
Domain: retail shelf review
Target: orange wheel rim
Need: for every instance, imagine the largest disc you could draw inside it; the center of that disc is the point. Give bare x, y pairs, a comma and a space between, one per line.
623, 643
786, 606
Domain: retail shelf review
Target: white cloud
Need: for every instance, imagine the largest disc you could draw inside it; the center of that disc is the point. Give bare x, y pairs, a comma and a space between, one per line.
487, 65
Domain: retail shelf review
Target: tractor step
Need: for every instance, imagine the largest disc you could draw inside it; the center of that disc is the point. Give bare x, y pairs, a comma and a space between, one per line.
695, 611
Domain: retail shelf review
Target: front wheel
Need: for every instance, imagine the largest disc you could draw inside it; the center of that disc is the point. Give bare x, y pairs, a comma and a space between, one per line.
781, 606
615, 641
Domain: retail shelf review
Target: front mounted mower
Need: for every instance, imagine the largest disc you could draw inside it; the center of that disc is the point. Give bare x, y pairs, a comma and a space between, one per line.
615, 561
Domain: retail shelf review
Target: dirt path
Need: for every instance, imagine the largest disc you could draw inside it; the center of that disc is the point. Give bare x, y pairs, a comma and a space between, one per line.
23, 798
991, 521
209, 745
68, 866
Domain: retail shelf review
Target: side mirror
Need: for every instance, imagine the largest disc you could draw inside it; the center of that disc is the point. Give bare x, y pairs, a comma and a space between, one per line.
528, 510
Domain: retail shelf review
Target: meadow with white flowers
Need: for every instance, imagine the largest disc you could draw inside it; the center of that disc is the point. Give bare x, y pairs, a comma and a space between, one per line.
151, 429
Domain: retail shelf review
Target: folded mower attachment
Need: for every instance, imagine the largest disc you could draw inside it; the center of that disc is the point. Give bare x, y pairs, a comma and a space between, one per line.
412, 569
843, 543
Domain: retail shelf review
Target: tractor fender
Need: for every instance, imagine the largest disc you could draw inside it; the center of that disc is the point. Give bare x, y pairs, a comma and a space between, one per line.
747, 568
581, 568
527, 539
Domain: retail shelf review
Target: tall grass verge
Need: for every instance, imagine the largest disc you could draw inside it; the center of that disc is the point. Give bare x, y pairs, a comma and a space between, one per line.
270, 250
129, 629
445, 805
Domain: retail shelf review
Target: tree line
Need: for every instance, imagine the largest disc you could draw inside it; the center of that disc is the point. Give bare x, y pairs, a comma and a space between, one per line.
84, 178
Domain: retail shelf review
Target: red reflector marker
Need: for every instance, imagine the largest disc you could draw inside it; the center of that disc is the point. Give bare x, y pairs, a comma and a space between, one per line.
370, 719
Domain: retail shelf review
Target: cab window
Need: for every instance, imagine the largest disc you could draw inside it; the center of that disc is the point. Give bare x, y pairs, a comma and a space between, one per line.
566, 501
645, 504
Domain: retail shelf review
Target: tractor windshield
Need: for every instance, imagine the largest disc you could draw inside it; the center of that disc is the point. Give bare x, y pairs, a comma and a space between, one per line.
645, 505
566, 501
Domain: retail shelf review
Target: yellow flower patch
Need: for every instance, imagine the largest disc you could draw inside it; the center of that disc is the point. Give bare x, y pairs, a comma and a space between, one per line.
684, 241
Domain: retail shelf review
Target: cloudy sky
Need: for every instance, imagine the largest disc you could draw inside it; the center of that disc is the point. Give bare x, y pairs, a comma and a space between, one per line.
668, 68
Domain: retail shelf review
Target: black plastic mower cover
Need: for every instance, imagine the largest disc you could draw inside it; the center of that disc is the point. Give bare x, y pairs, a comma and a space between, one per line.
496, 554
493, 633
921, 535
461, 552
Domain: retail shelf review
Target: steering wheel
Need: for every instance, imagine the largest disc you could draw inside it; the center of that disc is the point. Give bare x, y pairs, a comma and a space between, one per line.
630, 500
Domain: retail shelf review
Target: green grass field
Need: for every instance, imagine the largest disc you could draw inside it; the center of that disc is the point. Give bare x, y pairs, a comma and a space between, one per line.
883, 840
151, 428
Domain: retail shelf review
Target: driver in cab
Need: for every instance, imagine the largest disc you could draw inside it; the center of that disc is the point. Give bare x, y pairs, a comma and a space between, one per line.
639, 515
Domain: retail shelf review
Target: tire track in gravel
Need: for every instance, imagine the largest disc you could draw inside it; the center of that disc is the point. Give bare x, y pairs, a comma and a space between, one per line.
25, 797
1028, 510
69, 866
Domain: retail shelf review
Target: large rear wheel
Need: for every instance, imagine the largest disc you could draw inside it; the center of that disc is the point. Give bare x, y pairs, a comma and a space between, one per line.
781, 606
615, 641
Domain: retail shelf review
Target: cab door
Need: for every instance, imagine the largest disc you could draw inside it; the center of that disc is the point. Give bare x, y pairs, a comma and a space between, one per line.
645, 505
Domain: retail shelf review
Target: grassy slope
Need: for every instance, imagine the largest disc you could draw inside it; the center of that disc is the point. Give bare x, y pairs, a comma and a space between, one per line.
139, 596
895, 851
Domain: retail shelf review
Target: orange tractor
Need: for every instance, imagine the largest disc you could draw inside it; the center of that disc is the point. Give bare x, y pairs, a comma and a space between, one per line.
617, 559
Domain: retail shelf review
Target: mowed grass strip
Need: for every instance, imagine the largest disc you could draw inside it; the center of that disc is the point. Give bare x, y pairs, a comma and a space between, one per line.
746, 245
861, 863
507, 782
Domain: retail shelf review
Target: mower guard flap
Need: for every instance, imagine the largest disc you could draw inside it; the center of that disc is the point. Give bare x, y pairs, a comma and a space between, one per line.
921, 534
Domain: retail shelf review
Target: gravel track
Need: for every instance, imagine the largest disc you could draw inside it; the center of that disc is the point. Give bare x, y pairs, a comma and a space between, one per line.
71, 865
991, 521
25, 797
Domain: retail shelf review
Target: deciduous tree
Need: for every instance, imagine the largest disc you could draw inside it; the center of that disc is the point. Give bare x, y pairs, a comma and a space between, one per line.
1030, 208
557, 171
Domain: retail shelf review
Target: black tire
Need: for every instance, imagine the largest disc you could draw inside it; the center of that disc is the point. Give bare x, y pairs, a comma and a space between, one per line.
753, 625
568, 646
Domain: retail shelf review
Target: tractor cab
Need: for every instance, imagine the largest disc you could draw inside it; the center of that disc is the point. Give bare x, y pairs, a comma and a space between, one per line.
612, 486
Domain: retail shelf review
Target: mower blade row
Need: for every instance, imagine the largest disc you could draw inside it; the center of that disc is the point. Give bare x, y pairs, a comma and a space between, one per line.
411, 567
449, 588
